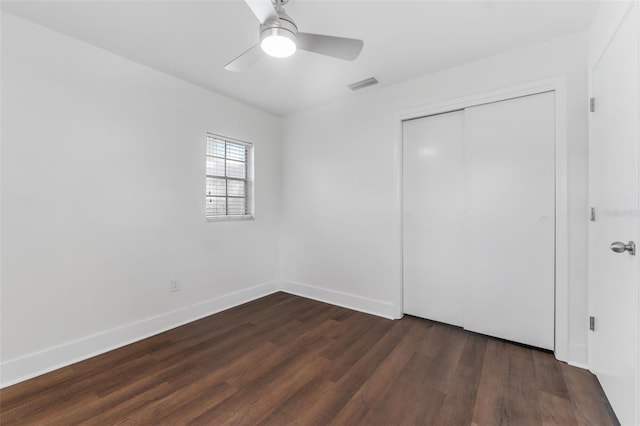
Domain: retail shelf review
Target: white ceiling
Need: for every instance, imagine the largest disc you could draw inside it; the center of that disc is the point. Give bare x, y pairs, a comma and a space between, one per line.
193, 40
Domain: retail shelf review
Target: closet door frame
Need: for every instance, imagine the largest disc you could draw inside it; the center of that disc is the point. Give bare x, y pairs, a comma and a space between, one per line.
559, 86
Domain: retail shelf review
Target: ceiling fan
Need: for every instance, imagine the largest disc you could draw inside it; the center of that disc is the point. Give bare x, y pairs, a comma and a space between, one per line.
279, 37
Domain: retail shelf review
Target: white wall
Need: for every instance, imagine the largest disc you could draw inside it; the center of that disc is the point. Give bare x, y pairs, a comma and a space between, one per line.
341, 215
102, 201
102, 178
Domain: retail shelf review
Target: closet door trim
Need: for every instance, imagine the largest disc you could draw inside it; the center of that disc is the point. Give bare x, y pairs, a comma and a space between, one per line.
559, 86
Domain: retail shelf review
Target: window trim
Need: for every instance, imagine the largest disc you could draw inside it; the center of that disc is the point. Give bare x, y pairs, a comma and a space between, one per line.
250, 192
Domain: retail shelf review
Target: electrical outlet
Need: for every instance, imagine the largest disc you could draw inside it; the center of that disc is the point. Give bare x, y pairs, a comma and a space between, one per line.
174, 285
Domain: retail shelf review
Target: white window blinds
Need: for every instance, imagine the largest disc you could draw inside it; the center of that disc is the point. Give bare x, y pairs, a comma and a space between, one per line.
229, 178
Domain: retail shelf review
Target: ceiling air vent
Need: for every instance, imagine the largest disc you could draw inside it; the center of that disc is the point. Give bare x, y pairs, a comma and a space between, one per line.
362, 84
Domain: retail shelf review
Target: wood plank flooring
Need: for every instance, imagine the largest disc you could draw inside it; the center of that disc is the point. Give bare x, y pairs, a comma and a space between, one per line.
286, 360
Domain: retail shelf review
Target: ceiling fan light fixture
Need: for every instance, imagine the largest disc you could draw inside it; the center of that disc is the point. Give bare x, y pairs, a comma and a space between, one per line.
278, 42
279, 37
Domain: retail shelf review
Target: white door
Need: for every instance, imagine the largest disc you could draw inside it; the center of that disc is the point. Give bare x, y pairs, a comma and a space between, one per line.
510, 221
613, 277
433, 176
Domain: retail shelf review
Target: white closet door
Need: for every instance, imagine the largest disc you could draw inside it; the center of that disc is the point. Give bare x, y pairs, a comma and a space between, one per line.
433, 195
510, 219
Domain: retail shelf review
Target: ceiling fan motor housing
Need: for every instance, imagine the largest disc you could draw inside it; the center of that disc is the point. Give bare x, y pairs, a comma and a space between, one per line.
284, 27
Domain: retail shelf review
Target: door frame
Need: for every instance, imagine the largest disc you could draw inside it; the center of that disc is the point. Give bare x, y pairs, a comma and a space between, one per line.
558, 85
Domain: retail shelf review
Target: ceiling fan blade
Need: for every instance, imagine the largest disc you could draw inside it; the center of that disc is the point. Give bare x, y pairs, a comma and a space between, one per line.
338, 47
263, 9
246, 60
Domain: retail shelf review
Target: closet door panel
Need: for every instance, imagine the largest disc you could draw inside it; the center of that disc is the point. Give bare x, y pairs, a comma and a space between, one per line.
510, 219
433, 198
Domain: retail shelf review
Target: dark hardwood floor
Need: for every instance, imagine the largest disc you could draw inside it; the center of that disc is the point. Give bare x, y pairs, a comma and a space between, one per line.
286, 360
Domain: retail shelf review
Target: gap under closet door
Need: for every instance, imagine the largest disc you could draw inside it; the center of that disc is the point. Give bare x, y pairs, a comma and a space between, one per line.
433, 206
510, 219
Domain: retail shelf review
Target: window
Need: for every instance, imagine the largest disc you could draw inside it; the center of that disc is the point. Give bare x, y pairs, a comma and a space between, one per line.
229, 179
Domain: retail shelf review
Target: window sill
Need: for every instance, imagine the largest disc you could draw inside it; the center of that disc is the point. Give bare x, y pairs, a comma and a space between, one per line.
229, 218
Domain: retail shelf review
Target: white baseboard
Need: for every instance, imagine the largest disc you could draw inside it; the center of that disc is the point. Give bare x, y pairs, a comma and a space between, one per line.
27, 367
578, 364
36, 364
578, 355
346, 300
